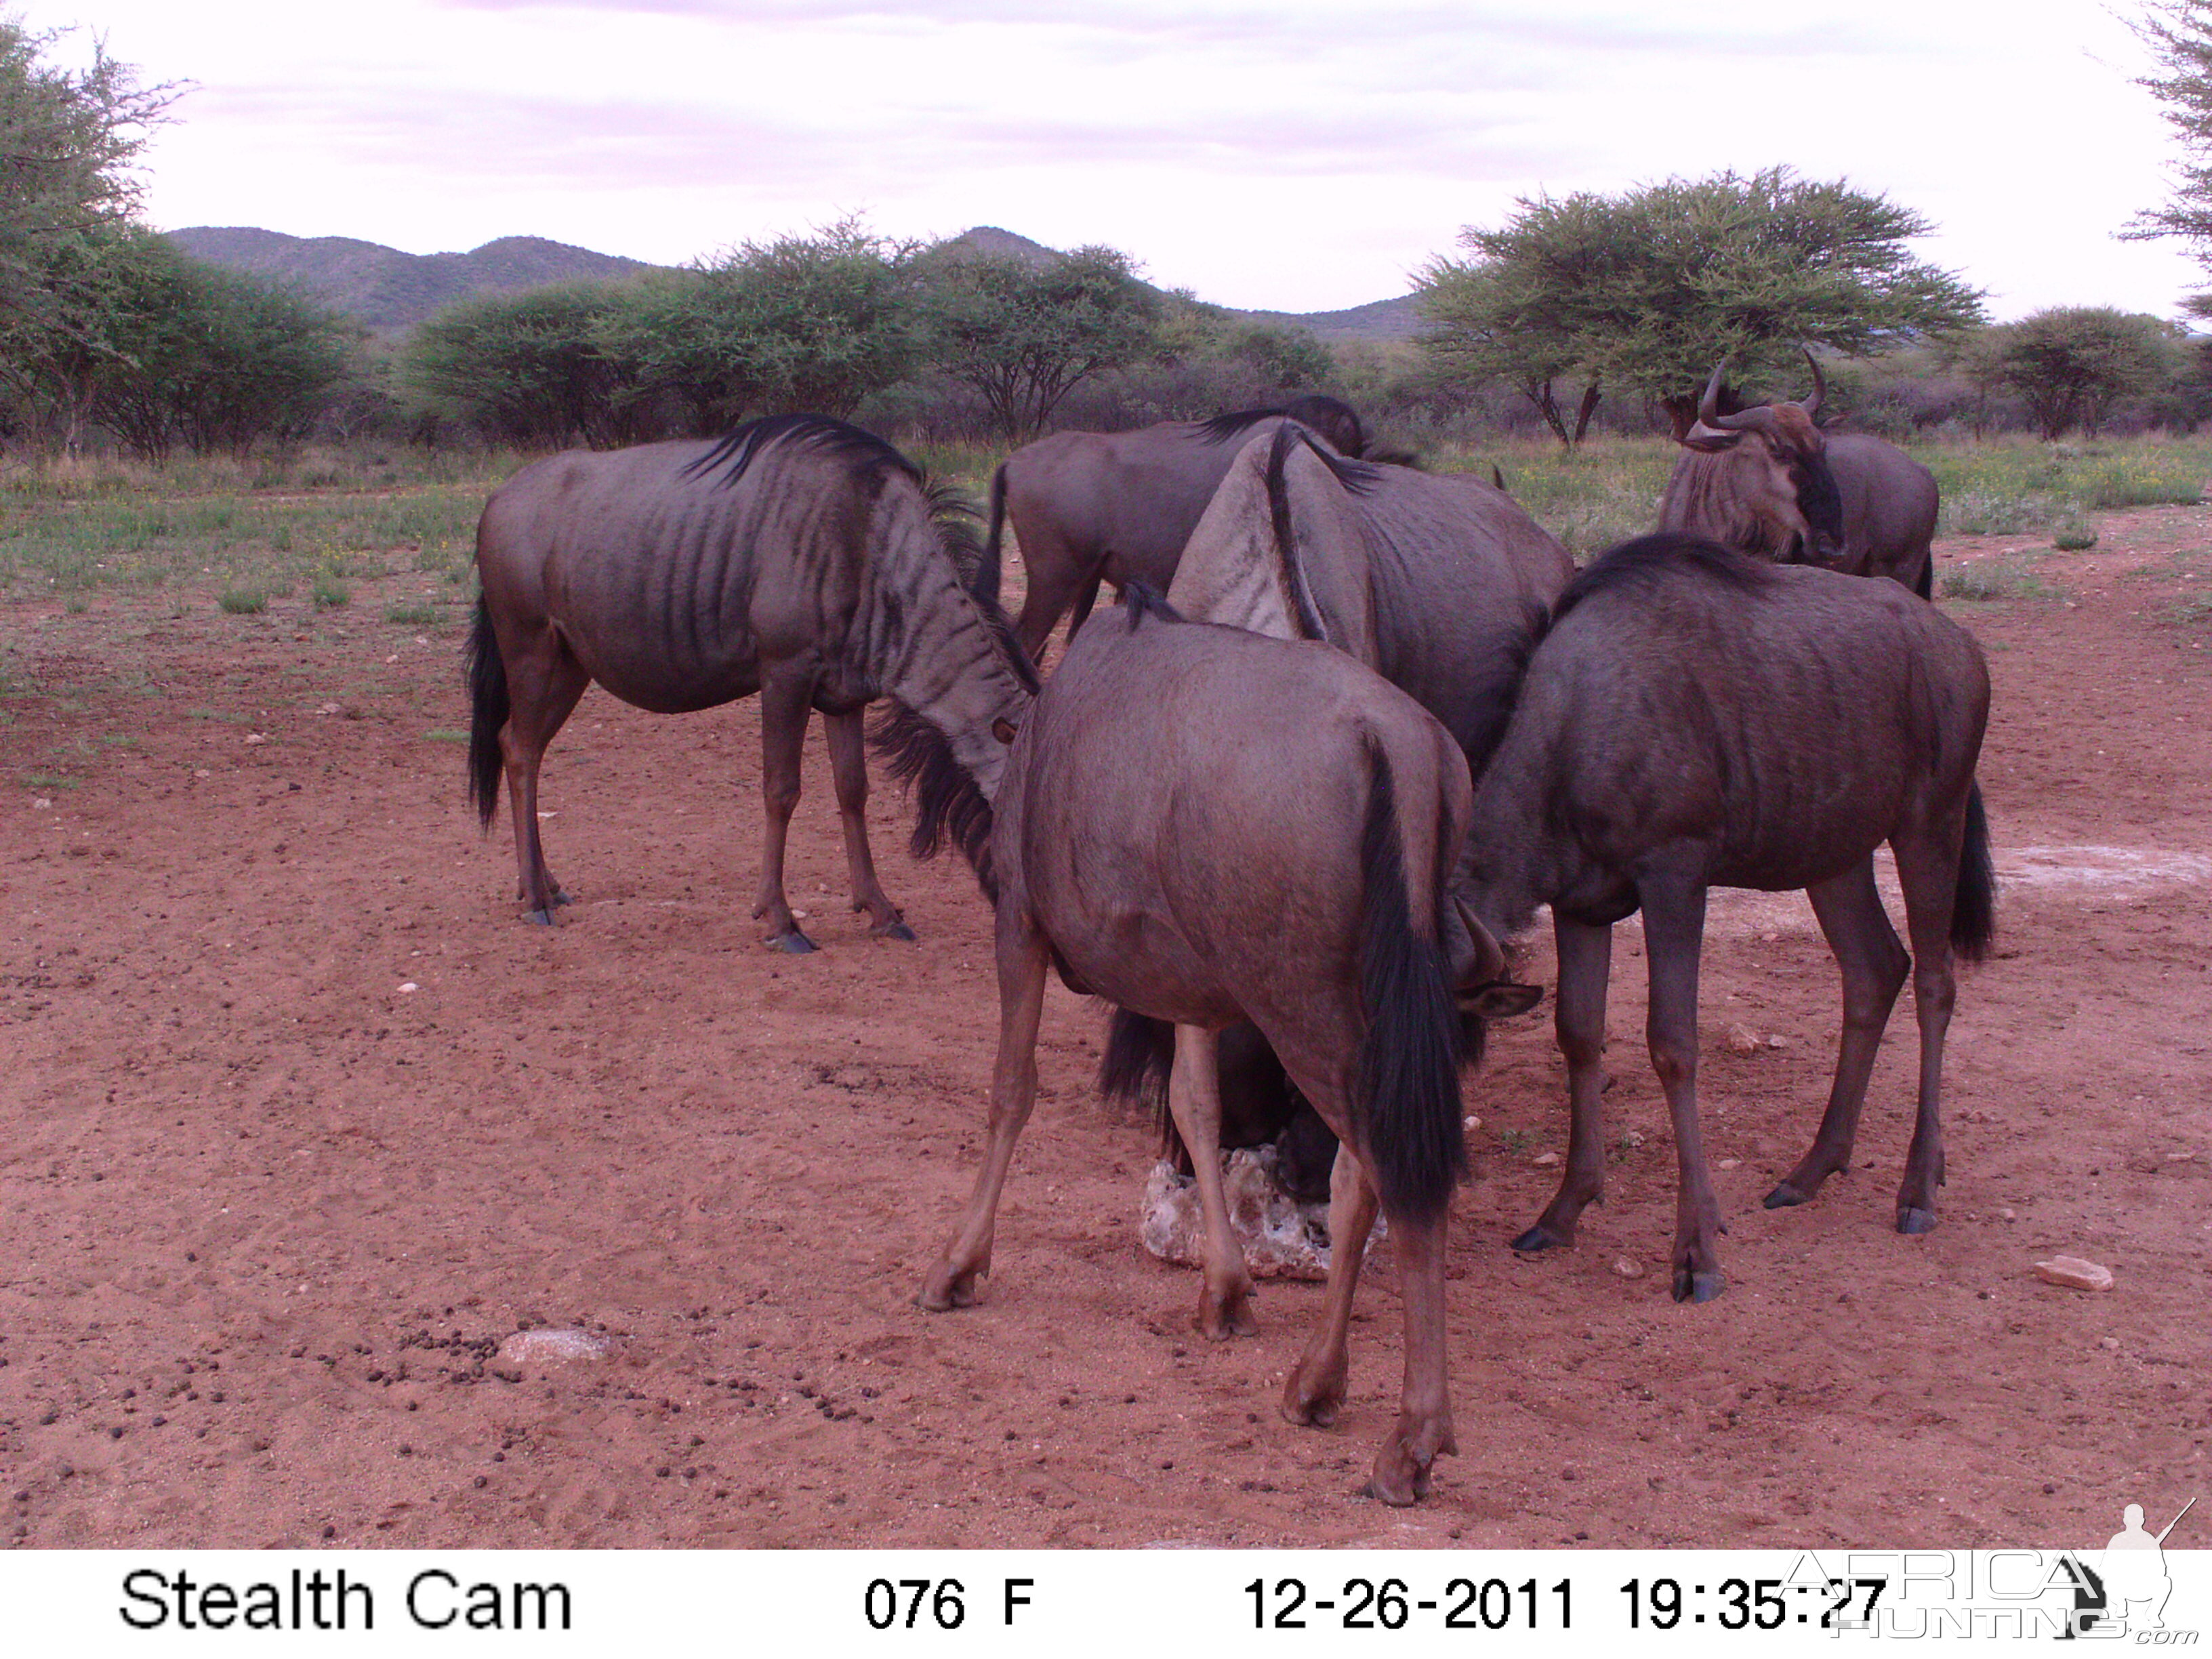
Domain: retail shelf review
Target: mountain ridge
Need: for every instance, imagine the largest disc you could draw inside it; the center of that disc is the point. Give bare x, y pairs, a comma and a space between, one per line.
392, 291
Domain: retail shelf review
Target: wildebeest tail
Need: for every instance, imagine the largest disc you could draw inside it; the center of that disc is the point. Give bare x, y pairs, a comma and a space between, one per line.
1139, 1055
1925, 587
986, 584
1407, 1098
1974, 905
488, 712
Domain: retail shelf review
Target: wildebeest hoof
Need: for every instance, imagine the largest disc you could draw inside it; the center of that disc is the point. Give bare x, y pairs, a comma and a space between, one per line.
1911, 1218
1540, 1237
1312, 1405
792, 944
945, 1290
543, 918
1699, 1284
1232, 1317
1785, 1195
897, 930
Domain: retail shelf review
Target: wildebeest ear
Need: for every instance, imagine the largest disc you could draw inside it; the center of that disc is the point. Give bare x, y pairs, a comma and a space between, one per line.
1003, 729
1502, 999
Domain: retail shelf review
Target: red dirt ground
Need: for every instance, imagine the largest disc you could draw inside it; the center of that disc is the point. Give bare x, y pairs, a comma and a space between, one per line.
265, 1210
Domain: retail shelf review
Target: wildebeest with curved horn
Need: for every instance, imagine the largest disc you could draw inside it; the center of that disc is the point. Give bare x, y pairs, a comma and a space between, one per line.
1093, 507
1207, 826
1766, 480
1694, 719
798, 557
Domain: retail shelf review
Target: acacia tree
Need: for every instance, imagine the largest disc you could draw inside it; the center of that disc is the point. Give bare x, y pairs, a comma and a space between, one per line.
1023, 338
2179, 33
1643, 293
67, 194
810, 323
530, 369
2071, 364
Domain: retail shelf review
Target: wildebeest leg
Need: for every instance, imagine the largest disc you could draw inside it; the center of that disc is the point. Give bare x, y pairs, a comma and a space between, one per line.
1873, 966
1585, 962
1674, 935
543, 683
1023, 956
1056, 574
1224, 1304
1083, 600
848, 766
1927, 870
1424, 1428
785, 704
1314, 1389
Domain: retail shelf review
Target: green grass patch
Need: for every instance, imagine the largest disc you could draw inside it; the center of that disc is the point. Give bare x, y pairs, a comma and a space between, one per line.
446, 737
2075, 537
412, 615
49, 780
244, 601
330, 593
1991, 579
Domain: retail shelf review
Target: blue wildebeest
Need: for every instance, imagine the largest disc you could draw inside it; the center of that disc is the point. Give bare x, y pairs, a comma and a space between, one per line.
1206, 826
1697, 718
1430, 580
1093, 507
798, 557
1768, 481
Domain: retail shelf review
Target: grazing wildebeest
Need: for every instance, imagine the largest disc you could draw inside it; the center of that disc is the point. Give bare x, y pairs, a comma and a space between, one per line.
1092, 506
1207, 826
1694, 719
798, 557
1432, 581
1767, 481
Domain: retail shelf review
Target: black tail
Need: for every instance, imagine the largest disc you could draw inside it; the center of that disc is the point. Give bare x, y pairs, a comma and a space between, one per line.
986, 584
488, 712
1974, 905
1925, 587
1139, 1055
1408, 1106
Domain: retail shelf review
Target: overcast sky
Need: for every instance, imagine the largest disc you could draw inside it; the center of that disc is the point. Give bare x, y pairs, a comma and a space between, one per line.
1267, 154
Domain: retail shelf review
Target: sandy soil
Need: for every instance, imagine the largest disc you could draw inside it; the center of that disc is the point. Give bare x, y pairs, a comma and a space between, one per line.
265, 1211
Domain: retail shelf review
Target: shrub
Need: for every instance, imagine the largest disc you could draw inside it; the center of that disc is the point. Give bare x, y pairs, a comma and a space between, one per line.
244, 601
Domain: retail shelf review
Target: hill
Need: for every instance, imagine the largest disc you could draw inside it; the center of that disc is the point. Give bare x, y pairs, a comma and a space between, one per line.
391, 290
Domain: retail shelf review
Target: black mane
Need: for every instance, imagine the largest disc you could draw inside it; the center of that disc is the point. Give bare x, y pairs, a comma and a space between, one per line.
1666, 556
736, 450
1141, 599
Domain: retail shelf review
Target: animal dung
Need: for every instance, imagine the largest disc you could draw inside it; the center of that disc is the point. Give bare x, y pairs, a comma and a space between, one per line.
545, 1347
2075, 1273
1281, 1238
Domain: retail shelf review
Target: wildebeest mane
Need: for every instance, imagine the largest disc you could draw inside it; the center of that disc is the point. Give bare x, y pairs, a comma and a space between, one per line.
1357, 477
1222, 427
1664, 555
736, 450
948, 807
1502, 691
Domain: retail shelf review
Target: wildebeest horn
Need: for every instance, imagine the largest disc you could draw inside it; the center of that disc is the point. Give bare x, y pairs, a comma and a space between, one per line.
1812, 404
1712, 423
1477, 958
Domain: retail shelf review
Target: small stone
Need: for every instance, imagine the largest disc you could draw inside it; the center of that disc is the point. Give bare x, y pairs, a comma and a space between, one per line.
408, 986
1742, 1040
1627, 1268
2075, 1273
1547, 1160
1731, 1164
801, 915
2109, 1344
328, 709
2009, 1214
1778, 1041
540, 1348
1470, 1122
255, 737
202, 772
1632, 1138
2179, 1157
40, 804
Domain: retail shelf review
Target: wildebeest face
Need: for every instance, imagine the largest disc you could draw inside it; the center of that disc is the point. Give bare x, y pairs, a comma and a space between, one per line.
1771, 482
